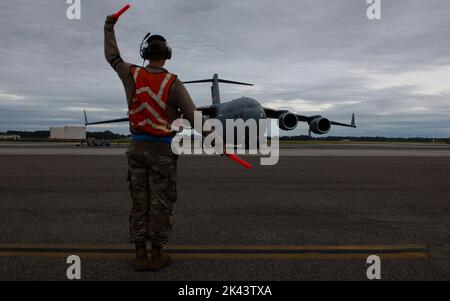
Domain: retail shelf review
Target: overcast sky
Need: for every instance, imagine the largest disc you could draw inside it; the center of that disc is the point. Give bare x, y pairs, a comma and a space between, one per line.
310, 56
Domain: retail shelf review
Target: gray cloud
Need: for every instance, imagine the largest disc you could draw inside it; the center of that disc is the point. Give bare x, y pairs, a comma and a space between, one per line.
304, 55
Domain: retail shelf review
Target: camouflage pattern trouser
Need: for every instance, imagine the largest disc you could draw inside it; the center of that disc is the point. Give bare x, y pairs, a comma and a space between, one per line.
153, 177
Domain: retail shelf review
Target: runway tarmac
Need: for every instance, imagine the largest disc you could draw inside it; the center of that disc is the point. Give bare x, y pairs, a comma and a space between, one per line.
347, 149
316, 215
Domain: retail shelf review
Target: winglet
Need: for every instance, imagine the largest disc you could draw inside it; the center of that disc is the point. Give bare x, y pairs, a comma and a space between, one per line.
353, 120
85, 118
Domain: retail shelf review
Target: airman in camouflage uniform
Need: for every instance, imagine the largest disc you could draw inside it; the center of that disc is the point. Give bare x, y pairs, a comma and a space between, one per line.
152, 165
153, 187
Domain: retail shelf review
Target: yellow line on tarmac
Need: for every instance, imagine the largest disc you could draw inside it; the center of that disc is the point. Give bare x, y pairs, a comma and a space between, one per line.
309, 256
271, 252
215, 247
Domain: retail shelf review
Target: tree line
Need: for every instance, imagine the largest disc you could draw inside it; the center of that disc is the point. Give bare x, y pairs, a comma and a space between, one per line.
46, 134
113, 136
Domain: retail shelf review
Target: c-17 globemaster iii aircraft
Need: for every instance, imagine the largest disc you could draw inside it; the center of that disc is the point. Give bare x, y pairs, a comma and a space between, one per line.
246, 108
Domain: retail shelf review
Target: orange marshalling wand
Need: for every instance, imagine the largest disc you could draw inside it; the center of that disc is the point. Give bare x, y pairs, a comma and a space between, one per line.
239, 161
121, 11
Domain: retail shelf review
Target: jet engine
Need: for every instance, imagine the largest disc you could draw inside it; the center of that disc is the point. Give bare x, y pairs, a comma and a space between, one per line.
320, 125
288, 121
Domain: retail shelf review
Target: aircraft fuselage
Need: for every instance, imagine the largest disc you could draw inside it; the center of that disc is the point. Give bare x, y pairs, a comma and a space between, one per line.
244, 108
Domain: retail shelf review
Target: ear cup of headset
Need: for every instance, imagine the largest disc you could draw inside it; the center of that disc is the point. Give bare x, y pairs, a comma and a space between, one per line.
143, 49
168, 52
143, 53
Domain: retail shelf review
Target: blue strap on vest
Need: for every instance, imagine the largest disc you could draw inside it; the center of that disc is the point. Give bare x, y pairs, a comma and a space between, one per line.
149, 137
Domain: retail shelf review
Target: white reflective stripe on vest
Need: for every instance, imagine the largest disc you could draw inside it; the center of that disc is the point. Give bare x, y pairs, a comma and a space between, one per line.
156, 98
153, 125
152, 96
164, 84
136, 72
149, 108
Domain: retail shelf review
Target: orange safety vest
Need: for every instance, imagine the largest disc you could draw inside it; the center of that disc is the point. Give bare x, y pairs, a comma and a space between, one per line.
147, 110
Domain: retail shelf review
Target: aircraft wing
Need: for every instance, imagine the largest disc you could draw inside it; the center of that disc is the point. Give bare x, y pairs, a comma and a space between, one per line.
275, 114
206, 110
210, 110
351, 125
108, 121
86, 122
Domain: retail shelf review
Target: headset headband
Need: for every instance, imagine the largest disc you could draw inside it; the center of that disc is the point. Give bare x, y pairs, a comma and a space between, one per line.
145, 44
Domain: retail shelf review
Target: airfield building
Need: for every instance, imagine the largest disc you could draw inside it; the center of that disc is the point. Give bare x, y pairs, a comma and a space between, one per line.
9, 137
68, 133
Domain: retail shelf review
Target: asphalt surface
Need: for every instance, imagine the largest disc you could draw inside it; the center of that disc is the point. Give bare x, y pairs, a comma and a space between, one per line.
305, 200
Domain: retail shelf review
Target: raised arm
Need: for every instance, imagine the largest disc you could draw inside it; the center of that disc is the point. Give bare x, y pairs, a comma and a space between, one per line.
112, 53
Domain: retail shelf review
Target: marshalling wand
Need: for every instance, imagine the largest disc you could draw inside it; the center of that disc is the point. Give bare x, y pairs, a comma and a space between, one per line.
121, 11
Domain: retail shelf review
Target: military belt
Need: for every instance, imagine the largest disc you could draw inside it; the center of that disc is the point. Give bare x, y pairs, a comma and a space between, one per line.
152, 138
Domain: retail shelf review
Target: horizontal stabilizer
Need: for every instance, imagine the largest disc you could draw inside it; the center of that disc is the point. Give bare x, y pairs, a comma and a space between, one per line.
215, 94
233, 82
199, 81
219, 80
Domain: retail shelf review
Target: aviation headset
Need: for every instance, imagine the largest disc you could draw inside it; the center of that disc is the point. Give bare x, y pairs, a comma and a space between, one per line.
145, 46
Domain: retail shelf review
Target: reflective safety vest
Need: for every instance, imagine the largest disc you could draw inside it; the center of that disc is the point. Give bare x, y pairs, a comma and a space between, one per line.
147, 111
